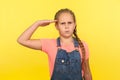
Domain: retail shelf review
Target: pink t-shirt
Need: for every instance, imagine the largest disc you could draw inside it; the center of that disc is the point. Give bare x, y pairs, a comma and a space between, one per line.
49, 46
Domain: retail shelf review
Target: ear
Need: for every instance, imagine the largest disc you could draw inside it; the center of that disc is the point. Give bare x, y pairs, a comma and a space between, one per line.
56, 26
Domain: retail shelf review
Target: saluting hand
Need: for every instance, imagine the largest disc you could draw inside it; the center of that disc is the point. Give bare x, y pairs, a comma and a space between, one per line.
45, 22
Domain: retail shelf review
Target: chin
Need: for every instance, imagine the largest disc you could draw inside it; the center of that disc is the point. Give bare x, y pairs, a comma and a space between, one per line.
67, 36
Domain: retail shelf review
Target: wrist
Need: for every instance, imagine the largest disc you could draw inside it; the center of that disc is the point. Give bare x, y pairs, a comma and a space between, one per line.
37, 23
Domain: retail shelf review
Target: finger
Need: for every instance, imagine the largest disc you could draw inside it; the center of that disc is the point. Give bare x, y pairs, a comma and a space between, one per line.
53, 21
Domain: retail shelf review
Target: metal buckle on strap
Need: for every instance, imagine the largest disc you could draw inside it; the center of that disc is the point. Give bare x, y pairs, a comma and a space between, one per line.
76, 48
59, 47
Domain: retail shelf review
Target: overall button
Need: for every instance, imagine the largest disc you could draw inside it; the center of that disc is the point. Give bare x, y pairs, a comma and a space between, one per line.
62, 60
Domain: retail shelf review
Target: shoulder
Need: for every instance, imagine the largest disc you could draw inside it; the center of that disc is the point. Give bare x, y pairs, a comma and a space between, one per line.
48, 44
48, 41
85, 43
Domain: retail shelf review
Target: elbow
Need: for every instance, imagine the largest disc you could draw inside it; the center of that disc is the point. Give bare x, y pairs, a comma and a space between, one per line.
20, 41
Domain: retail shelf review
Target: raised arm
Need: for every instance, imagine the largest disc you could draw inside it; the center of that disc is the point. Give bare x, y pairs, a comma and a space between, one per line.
25, 38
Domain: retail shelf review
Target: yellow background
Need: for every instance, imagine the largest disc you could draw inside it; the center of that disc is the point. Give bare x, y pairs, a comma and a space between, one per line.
98, 23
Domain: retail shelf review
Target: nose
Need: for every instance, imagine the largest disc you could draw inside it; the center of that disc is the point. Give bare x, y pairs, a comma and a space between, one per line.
66, 26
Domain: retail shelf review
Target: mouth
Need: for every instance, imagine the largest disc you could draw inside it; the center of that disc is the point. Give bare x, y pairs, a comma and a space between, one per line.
67, 31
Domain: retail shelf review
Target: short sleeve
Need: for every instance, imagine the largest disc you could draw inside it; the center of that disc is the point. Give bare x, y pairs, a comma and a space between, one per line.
86, 49
48, 45
45, 45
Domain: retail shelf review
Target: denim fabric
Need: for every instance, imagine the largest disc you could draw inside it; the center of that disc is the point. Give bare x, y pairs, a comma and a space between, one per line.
67, 65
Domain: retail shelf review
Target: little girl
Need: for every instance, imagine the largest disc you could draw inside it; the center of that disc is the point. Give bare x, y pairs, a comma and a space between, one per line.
68, 55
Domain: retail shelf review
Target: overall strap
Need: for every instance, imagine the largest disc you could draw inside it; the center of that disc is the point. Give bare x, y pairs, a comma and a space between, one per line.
76, 43
58, 42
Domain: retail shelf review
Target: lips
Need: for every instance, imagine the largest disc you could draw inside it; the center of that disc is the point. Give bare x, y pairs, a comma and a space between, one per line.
67, 31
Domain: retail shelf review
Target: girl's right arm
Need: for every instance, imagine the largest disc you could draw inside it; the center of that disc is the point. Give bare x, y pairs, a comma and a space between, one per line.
24, 38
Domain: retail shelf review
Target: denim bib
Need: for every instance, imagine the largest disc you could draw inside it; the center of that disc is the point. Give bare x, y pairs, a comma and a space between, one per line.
67, 64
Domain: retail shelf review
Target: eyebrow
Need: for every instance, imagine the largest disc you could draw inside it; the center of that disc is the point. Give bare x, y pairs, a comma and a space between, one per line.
64, 21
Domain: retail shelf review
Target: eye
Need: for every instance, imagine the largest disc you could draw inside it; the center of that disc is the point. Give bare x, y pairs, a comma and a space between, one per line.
62, 23
69, 22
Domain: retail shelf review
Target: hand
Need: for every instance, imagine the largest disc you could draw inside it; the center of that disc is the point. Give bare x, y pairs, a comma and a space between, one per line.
45, 22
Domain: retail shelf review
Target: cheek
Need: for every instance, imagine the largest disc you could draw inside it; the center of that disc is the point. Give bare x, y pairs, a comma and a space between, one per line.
72, 27
59, 28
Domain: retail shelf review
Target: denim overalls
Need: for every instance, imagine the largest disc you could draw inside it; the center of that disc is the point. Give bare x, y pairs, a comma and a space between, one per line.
67, 64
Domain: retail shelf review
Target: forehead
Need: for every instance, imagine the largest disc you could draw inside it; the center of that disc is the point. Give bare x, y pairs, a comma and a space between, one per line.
65, 16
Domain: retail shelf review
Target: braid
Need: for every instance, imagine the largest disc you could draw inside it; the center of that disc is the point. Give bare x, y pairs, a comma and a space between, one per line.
84, 66
81, 45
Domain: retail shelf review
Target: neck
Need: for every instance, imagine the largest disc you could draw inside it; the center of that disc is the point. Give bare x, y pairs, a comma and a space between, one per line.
66, 40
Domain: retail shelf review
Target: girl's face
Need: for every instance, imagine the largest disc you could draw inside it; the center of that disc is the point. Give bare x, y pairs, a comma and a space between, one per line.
65, 25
